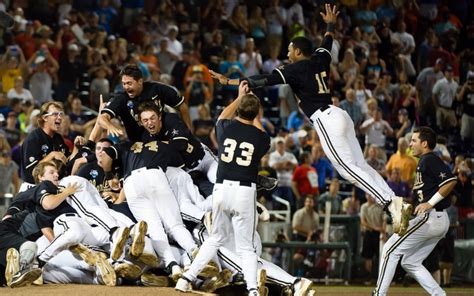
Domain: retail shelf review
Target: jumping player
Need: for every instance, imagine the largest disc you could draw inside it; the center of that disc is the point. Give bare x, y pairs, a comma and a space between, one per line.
308, 74
433, 184
242, 142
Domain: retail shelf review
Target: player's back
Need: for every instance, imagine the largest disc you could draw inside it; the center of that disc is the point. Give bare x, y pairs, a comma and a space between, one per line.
241, 146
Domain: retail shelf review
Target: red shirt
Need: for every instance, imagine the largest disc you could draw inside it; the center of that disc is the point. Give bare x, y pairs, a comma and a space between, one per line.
307, 179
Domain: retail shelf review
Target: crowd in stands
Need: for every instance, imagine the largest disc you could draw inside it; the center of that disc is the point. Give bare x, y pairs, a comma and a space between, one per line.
395, 65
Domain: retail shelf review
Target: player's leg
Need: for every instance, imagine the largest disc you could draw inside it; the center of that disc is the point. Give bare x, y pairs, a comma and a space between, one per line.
65, 268
221, 227
168, 209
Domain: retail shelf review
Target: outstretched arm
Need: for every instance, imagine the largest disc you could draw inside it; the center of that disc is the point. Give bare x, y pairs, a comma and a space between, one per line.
229, 111
329, 18
254, 81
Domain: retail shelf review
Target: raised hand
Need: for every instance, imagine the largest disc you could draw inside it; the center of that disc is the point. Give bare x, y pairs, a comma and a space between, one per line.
71, 189
331, 14
222, 79
243, 88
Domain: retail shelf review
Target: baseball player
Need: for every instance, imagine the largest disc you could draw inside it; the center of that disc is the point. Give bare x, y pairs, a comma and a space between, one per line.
308, 75
43, 143
149, 195
433, 184
242, 142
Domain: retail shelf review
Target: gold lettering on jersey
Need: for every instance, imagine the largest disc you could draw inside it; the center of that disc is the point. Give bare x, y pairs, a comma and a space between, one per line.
152, 146
418, 181
137, 147
190, 148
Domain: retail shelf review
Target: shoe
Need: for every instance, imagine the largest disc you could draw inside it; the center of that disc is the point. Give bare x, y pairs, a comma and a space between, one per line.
261, 281
183, 285
176, 272
13, 265
89, 256
105, 272
149, 259
25, 277
127, 270
153, 280
138, 233
302, 287
217, 282
400, 212
253, 292
209, 270
119, 238
39, 281
266, 183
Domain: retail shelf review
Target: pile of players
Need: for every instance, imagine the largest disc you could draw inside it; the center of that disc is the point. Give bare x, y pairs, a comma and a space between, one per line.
129, 213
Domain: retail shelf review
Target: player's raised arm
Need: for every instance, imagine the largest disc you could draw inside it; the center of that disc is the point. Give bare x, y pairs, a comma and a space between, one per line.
254, 81
229, 111
329, 18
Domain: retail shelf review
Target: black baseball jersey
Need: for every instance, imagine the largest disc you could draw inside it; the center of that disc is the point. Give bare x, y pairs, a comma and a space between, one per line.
86, 150
150, 154
94, 174
241, 146
45, 218
431, 174
179, 137
37, 146
23, 201
127, 109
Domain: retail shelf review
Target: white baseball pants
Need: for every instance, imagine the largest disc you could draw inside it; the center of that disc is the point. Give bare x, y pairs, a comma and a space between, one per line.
233, 206
151, 199
208, 164
336, 132
65, 268
423, 234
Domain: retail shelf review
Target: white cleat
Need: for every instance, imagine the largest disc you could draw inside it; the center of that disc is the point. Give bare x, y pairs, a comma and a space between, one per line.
105, 272
261, 281
137, 234
400, 212
176, 272
119, 238
183, 286
302, 287
13, 265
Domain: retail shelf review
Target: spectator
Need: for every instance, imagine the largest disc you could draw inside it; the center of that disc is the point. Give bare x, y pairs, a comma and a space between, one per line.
18, 91
424, 86
257, 26
287, 102
376, 161
251, 59
376, 130
301, 143
365, 17
322, 165
363, 95
8, 170
238, 27
276, 17
305, 222
348, 68
42, 67
447, 245
403, 161
351, 205
284, 163
305, 180
70, 70
12, 134
166, 57
463, 190
12, 65
203, 126
195, 61
353, 108
232, 69
466, 97
444, 93
331, 196
80, 120
295, 121
100, 86
404, 125
373, 228
407, 48
174, 45
372, 68
179, 70
399, 187
197, 92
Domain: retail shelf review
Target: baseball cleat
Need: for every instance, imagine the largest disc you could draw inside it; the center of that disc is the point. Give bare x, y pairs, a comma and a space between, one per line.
127, 270
119, 238
13, 265
407, 210
105, 272
25, 277
400, 212
149, 259
302, 287
39, 281
217, 282
208, 271
183, 285
176, 272
261, 281
266, 183
138, 233
87, 255
153, 280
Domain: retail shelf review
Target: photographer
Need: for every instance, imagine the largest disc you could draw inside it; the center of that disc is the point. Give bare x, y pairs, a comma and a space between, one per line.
466, 97
197, 92
12, 65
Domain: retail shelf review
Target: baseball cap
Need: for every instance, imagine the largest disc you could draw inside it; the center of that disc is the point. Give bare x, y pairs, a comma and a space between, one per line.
279, 140
197, 69
439, 61
73, 47
173, 27
40, 59
403, 111
64, 22
111, 37
112, 152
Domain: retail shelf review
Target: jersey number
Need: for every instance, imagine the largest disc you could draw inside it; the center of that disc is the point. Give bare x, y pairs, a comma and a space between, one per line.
229, 151
137, 147
322, 88
420, 195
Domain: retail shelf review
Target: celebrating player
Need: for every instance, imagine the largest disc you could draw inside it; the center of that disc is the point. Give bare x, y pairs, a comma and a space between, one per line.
433, 184
242, 142
308, 74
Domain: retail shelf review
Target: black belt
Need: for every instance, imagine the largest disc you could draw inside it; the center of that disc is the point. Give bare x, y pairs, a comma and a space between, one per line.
242, 183
324, 108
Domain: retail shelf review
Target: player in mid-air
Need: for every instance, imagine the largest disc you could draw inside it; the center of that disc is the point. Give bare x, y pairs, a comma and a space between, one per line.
433, 184
242, 143
308, 74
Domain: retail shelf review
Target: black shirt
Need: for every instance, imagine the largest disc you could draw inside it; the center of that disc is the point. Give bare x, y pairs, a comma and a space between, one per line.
241, 146
431, 174
180, 138
127, 109
468, 102
23, 201
94, 174
37, 146
45, 218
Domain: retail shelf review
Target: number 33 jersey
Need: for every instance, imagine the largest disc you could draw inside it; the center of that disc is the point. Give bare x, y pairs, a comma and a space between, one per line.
241, 146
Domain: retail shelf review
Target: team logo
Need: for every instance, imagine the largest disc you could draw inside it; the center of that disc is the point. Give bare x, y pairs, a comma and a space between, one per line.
44, 148
94, 173
130, 104
43, 191
84, 154
31, 159
174, 132
442, 175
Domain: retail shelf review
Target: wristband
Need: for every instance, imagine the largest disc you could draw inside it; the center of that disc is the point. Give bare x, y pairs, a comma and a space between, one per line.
436, 198
331, 27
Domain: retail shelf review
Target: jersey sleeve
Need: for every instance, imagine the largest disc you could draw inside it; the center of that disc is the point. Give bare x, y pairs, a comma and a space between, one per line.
44, 189
288, 73
439, 172
168, 95
31, 155
220, 127
116, 105
323, 53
